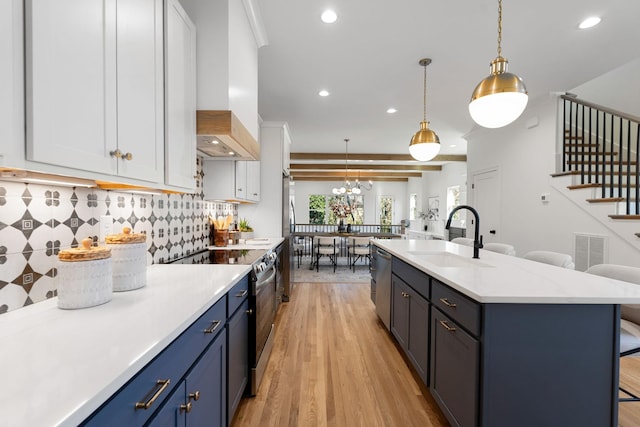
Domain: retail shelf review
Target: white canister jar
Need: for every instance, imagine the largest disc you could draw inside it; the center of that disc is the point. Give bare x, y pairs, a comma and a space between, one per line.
84, 277
129, 260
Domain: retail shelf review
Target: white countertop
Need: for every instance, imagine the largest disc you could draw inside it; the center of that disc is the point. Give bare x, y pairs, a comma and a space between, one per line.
61, 365
498, 278
264, 243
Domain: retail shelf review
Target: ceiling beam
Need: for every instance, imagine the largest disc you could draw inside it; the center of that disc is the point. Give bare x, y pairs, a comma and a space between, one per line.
375, 156
334, 166
339, 175
319, 178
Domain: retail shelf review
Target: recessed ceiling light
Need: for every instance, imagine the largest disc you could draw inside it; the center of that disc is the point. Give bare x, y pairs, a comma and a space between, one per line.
589, 22
329, 17
323, 93
392, 110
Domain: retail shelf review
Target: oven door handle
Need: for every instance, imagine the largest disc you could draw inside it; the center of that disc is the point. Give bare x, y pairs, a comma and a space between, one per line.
260, 283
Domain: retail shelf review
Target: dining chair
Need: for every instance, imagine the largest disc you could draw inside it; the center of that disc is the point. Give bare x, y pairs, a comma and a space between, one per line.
629, 314
553, 258
359, 248
326, 246
463, 241
501, 248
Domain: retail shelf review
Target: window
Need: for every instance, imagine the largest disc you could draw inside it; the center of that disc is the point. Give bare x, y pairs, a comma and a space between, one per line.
385, 207
413, 206
331, 209
317, 209
453, 200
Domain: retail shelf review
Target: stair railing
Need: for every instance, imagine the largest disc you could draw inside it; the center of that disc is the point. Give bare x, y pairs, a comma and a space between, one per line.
602, 145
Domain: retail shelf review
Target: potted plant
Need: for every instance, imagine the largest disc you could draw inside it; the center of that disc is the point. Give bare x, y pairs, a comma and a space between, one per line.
246, 232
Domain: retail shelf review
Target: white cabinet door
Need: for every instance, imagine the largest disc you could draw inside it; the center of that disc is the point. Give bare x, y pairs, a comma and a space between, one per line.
253, 180
95, 85
218, 182
286, 150
241, 180
180, 97
140, 78
11, 80
71, 83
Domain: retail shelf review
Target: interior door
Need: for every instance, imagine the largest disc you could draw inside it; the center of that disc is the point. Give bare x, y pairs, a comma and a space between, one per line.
486, 200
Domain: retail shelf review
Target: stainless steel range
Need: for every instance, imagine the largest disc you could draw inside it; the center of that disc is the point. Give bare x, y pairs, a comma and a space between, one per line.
262, 300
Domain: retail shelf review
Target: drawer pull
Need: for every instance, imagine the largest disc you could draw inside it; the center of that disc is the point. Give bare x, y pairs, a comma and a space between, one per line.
213, 327
185, 408
406, 295
242, 294
447, 327
447, 303
156, 391
195, 395
250, 312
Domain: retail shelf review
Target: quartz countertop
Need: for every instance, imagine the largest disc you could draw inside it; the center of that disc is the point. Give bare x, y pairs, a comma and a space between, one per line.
498, 278
264, 243
61, 365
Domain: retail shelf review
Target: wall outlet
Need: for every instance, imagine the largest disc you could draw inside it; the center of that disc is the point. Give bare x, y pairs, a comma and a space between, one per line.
106, 226
544, 197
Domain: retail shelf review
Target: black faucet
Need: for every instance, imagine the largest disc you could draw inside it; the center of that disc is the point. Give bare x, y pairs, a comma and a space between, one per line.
477, 239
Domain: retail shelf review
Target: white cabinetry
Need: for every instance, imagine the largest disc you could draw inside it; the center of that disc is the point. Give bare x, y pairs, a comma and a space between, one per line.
95, 86
275, 135
231, 181
180, 97
11, 80
248, 180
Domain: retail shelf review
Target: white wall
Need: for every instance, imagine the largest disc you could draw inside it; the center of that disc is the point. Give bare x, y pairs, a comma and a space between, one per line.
435, 184
525, 159
303, 189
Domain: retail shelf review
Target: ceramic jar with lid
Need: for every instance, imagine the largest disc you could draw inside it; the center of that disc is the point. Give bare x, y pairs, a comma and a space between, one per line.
84, 277
129, 259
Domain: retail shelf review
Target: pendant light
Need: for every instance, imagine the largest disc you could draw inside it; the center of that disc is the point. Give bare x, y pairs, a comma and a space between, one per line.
425, 144
349, 188
500, 98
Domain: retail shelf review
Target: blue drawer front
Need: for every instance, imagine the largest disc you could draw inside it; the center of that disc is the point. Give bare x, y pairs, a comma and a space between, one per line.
238, 294
171, 364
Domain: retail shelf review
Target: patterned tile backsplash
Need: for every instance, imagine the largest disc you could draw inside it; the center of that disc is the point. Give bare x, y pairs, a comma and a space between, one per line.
36, 221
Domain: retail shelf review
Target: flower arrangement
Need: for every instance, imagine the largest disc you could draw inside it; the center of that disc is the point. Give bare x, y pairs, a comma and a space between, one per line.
340, 209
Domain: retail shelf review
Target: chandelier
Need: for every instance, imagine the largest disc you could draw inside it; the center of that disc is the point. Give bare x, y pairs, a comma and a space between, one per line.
348, 188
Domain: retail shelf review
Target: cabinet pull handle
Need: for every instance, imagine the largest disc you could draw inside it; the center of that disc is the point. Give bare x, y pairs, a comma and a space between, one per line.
406, 295
118, 154
156, 391
250, 312
185, 408
242, 294
195, 395
213, 327
447, 327
447, 303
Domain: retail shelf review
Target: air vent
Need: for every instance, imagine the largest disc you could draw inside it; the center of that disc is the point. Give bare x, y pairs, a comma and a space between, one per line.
590, 249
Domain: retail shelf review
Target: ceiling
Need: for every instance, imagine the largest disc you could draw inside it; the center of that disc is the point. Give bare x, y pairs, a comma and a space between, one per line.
368, 61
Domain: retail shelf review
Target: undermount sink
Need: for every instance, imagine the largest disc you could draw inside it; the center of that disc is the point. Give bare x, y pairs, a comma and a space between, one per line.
447, 259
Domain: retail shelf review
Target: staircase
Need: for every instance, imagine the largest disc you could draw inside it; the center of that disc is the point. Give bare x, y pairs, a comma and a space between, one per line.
600, 157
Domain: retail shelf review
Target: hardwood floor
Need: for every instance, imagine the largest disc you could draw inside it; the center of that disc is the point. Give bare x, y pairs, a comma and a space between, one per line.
334, 364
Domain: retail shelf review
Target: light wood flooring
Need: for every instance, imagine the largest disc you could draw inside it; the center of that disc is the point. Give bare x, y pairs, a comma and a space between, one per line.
334, 364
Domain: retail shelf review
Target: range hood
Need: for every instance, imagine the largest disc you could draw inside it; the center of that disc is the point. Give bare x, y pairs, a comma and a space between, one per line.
221, 133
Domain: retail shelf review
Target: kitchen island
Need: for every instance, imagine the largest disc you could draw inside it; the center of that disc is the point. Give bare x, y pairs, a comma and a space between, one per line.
63, 364
503, 341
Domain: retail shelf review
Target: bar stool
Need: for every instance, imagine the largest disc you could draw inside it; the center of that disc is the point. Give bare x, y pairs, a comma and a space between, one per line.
553, 258
359, 248
501, 248
463, 241
326, 246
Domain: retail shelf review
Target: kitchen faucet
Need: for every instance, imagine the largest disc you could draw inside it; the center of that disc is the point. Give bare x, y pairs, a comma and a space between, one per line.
477, 239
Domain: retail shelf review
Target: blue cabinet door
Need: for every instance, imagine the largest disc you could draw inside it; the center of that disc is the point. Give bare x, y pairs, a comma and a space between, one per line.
173, 412
207, 386
400, 311
238, 362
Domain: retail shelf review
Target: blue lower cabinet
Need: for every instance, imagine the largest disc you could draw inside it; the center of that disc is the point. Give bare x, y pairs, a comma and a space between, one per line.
238, 362
173, 412
207, 386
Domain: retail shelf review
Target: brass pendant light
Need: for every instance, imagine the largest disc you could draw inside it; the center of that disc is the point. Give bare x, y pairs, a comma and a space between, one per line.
500, 98
425, 144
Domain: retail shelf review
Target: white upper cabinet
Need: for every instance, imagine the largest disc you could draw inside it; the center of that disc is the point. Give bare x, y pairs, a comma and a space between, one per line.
95, 86
248, 180
275, 142
180, 97
11, 81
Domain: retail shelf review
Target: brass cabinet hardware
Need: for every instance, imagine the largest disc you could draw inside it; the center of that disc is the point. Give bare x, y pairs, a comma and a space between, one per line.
213, 327
118, 154
195, 395
447, 327
242, 294
447, 303
406, 295
186, 408
156, 391
250, 312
